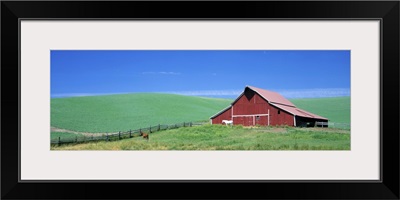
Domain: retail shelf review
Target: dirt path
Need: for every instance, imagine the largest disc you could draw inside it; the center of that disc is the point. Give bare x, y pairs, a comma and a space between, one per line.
55, 129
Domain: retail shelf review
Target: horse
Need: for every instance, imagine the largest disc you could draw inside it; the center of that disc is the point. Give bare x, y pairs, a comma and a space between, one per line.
230, 122
144, 135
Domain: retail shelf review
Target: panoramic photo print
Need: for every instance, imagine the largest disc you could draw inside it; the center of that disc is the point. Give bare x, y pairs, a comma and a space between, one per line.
200, 100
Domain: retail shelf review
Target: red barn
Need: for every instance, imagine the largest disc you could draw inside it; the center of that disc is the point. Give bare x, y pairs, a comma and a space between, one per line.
257, 106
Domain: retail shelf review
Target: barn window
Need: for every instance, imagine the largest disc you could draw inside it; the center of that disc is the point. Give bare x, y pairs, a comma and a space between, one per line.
257, 118
279, 112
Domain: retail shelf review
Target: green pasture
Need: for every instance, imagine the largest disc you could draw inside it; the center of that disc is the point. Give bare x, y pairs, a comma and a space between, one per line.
55, 135
113, 113
220, 137
336, 109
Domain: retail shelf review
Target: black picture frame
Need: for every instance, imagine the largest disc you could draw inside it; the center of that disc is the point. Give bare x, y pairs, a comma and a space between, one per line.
386, 11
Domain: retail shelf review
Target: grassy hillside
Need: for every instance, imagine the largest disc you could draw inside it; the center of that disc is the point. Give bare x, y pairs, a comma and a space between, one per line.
336, 109
55, 135
220, 137
112, 113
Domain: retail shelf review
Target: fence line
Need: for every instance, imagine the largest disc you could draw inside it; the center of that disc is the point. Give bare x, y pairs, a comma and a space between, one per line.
121, 135
113, 136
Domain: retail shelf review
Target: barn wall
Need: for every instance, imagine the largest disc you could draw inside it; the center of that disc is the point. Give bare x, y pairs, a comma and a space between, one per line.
250, 103
284, 118
245, 121
251, 120
262, 120
227, 115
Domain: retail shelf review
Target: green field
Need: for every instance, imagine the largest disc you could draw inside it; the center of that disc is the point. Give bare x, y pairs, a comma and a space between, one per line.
113, 113
336, 109
63, 135
220, 137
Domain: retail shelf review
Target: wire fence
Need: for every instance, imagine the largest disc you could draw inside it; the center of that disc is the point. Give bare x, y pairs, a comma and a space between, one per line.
121, 134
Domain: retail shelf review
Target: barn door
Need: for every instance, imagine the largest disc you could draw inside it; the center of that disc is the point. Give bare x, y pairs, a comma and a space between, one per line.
238, 120
261, 120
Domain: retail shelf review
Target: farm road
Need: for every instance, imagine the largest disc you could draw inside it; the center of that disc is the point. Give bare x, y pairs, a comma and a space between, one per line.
54, 129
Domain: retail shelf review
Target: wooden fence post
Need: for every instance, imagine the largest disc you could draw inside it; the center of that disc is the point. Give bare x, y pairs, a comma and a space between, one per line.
107, 137
130, 133
190, 124
119, 135
59, 140
150, 129
76, 139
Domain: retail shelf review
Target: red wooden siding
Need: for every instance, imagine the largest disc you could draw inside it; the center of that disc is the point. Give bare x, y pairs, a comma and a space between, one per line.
227, 115
251, 120
262, 120
245, 121
250, 103
284, 118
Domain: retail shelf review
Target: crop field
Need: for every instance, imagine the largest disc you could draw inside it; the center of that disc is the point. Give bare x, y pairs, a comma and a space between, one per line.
113, 113
55, 135
336, 109
77, 117
220, 137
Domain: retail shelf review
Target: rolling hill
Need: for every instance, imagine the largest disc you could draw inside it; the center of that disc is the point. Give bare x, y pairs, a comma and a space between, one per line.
336, 109
113, 113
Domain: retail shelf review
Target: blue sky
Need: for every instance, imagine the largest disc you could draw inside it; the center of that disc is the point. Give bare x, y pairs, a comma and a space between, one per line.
211, 73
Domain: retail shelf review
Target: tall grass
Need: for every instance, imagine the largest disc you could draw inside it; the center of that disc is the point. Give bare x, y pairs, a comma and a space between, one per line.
218, 137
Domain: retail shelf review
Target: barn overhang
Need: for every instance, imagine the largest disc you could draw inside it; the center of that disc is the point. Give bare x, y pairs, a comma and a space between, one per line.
220, 112
298, 112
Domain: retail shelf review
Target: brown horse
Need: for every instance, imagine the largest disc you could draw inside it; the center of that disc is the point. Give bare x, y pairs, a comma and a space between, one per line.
144, 135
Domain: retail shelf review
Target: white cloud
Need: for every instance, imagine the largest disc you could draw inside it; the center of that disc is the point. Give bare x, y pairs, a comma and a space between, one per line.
315, 93
208, 92
61, 95
301, 93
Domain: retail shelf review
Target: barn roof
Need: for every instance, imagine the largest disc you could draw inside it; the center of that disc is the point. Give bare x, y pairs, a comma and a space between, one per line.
271, 97
298, 112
